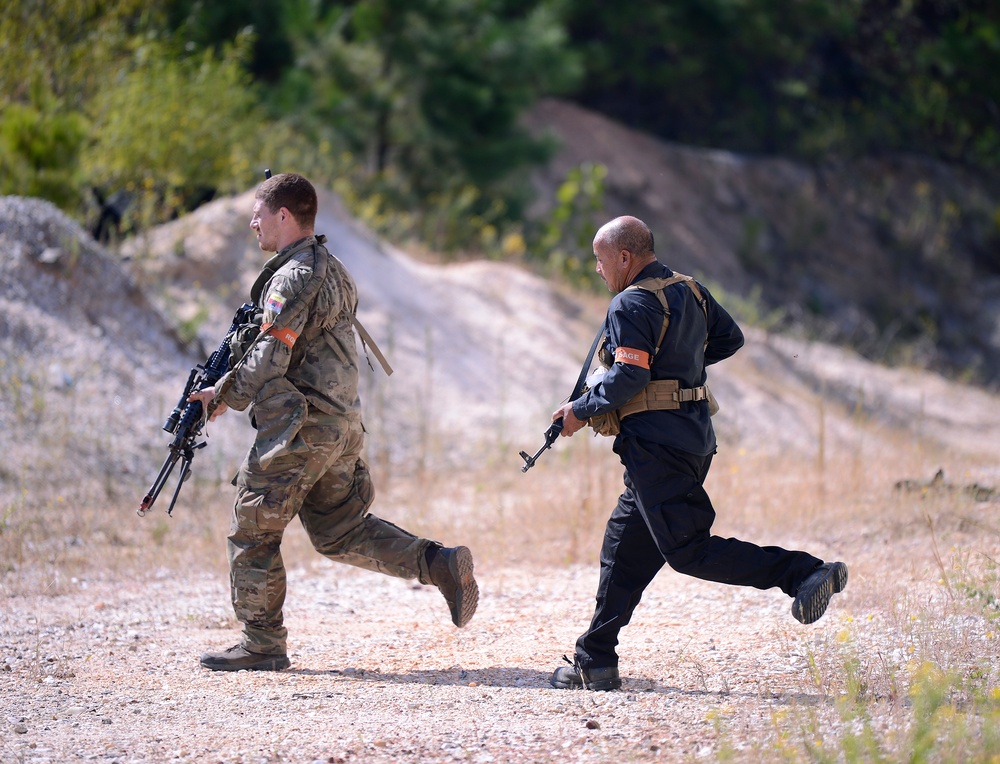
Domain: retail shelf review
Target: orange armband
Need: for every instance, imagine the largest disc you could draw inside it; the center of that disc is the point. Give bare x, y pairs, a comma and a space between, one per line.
286, 336
632, 357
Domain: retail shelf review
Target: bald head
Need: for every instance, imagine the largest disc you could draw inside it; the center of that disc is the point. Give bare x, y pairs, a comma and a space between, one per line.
623, 247
628, 233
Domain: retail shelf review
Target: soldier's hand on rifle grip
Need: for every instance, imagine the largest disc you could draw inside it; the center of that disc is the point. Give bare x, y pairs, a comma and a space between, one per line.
205, 396
570, 422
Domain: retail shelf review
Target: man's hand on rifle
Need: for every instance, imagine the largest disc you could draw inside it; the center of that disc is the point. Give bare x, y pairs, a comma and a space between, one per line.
206, 396
570, 422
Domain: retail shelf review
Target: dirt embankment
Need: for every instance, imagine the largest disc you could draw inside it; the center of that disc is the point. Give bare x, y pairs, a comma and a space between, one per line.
896, 257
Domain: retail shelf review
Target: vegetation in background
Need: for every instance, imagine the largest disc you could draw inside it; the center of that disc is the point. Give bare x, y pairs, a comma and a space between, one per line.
98, 97
565, 238
801, 78
423, 99
54, 56
40, 149
174, 130
418, 103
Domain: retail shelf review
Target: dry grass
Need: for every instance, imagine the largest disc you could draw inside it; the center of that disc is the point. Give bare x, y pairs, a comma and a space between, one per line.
552, 515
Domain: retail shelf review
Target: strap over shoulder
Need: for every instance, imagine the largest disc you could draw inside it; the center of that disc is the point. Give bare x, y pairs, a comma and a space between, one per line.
654, 284
657, 287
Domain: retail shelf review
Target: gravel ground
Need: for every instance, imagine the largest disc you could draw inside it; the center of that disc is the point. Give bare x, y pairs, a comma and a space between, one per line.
109, 672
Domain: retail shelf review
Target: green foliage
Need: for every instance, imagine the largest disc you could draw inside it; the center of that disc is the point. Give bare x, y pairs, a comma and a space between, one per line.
949, 715
426, 97
188, 329
67, 48
807, 77
212, 24
54, 54
174, 128
564, 244
39, 149
711, 72
748, 308
410, 109
417, 104
95, 94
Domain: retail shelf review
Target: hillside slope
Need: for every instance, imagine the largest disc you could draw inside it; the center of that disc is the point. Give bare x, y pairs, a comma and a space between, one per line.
88, 364
896, 257
482, 353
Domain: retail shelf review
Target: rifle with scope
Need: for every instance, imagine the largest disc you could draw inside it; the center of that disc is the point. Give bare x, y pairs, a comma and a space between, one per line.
188, 418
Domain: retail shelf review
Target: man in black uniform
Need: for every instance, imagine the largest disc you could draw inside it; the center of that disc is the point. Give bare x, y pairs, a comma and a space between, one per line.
666, 445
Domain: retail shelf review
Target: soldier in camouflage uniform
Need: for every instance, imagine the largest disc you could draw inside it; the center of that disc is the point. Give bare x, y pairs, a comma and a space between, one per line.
299, 377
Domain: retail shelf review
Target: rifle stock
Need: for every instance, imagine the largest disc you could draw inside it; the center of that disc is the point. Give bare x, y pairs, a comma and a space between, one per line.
556, 427
550, 437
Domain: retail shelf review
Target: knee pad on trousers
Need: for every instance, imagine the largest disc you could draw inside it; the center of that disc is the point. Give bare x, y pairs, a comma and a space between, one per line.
363, 491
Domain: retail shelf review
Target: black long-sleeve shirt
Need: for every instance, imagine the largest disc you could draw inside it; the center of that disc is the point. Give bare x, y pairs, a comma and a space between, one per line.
634, 321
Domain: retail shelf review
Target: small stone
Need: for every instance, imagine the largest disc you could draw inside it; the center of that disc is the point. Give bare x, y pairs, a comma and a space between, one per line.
50, 255
20, 729
593, 725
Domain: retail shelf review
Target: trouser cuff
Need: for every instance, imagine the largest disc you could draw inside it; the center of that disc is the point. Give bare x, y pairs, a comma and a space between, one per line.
424, 570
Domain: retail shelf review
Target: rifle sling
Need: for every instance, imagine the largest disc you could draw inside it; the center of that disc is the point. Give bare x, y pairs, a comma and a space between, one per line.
578, 390
368, 342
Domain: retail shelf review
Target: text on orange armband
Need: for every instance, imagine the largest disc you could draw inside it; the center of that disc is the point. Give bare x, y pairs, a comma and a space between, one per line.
286, 336
632, 357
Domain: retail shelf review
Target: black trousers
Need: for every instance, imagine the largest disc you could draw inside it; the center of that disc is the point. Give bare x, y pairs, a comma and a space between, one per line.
664, 515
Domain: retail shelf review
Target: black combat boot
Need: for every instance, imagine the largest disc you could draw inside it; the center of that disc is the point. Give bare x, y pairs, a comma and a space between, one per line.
238, 658
572, 677
450, 571
815, 592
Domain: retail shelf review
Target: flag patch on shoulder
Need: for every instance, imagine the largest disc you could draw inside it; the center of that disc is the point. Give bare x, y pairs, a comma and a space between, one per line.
275, 302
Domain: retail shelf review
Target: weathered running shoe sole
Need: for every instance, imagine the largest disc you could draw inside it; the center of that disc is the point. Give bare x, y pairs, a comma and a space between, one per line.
467, 591
814, 596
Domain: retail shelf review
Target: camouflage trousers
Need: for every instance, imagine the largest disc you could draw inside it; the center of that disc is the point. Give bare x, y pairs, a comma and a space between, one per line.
326, 483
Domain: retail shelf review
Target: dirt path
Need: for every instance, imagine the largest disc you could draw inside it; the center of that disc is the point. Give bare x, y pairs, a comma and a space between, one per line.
110, 673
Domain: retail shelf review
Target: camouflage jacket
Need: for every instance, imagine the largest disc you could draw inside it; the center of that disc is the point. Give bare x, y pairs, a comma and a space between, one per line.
307, 351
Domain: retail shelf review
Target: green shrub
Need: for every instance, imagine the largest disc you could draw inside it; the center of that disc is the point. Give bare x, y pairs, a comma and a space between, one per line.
39, 151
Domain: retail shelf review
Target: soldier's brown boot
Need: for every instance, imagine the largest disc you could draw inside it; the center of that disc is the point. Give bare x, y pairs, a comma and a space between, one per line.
450, 571
238, 658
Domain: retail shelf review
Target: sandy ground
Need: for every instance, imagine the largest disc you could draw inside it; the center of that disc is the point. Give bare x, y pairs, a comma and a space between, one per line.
110, 673
103, 667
